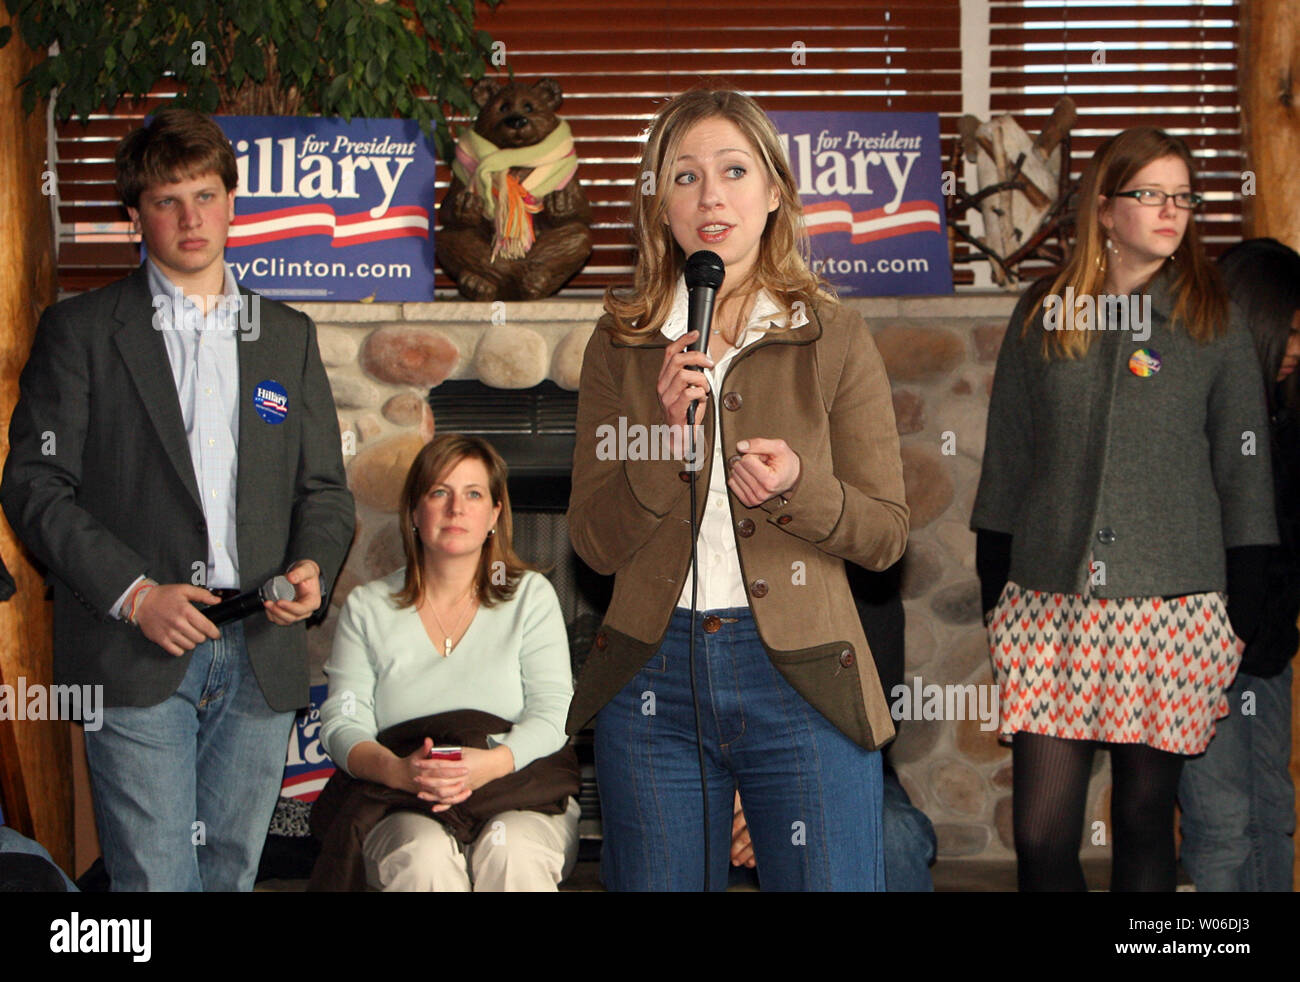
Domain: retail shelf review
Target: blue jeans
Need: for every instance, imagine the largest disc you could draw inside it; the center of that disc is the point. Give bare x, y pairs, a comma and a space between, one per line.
910, 843
13, 841
908, 838
812, 797
184, 790
1237, 798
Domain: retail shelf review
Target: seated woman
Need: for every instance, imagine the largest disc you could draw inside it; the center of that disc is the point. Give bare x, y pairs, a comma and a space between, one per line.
465, 625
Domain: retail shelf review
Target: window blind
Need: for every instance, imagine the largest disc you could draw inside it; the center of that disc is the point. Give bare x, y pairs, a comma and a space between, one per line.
1146, 63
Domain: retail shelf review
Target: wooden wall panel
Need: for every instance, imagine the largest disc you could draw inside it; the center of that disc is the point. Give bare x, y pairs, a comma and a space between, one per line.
35, 767
1270, 122
1270, 117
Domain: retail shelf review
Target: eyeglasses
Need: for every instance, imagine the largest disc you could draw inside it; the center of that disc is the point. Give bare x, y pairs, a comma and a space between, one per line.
1151, 198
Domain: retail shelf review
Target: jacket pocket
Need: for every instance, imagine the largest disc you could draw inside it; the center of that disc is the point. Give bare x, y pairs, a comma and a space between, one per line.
826, 676
614, 660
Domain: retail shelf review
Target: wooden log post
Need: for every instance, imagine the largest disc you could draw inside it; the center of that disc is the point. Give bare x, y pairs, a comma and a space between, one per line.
35, 762
1269, 83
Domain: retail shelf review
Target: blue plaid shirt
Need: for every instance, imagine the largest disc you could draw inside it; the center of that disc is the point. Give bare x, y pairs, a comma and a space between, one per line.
205, 367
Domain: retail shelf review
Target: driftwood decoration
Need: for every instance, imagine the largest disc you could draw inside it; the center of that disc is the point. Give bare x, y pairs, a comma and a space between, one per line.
1024, 188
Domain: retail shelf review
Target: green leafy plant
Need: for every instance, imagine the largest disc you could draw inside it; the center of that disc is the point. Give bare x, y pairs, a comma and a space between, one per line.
370, 58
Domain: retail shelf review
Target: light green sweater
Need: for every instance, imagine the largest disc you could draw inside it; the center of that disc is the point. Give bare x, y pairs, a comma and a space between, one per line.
513, 661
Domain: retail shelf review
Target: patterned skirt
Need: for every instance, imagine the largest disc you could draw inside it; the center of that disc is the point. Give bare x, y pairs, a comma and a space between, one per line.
1132, 670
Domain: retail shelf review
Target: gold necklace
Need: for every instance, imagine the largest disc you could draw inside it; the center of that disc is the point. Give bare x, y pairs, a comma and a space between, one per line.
442, 630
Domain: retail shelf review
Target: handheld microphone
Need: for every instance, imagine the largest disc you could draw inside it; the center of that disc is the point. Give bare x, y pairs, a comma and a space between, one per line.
236, 608
704, 274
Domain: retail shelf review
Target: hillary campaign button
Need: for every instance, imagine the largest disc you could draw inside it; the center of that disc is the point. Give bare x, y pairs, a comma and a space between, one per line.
271, 401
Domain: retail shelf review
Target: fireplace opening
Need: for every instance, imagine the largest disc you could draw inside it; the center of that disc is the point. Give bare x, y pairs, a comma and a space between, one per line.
533, 429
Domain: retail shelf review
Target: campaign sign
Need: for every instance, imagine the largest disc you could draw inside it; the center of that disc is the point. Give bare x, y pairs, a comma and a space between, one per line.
331, 210
870, 186
307, 767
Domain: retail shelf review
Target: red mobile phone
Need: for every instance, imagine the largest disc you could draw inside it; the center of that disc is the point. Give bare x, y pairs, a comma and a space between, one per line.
444, 753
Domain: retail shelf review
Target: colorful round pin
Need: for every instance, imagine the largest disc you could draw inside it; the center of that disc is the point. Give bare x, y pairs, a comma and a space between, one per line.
271, 401
1144, 362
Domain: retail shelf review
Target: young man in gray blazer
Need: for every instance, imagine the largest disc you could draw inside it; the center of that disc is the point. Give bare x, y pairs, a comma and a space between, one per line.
176, 442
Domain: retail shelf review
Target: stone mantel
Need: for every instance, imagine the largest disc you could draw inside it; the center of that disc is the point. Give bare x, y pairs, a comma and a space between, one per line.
376, 351
982, 303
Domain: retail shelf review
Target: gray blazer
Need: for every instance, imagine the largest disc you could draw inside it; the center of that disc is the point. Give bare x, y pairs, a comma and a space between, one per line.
117, 496
1153, 477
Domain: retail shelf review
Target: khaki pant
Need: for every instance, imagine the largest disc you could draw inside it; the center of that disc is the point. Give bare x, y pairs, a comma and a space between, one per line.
517, 851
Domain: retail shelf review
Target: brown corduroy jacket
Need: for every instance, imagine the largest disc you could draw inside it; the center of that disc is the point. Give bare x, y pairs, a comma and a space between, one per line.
822, 388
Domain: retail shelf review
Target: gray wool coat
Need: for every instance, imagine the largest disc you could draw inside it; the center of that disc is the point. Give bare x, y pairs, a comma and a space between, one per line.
1150, 478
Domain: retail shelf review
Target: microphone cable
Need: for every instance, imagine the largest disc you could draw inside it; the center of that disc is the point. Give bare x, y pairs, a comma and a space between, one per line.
693, 466
704, 270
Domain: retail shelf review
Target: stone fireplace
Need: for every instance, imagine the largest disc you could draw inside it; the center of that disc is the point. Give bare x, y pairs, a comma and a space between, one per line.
384, 360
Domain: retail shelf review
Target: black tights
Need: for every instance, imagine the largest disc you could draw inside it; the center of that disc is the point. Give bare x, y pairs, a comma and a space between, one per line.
1049, 795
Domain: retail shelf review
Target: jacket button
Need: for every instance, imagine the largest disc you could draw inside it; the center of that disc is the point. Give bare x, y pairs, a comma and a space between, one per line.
783, 520
758, 588
733, 460
602, 640
732, 401
712, 623
846, 658
1106, 536
685, 476
745, 527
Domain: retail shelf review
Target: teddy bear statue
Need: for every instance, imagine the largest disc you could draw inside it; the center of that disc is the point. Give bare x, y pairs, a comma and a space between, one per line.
515, 223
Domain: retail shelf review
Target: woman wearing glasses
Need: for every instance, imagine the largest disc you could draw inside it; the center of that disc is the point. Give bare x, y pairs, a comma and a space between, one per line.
1126, 477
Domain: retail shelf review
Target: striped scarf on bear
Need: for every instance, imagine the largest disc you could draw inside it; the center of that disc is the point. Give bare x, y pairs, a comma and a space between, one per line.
510, 204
